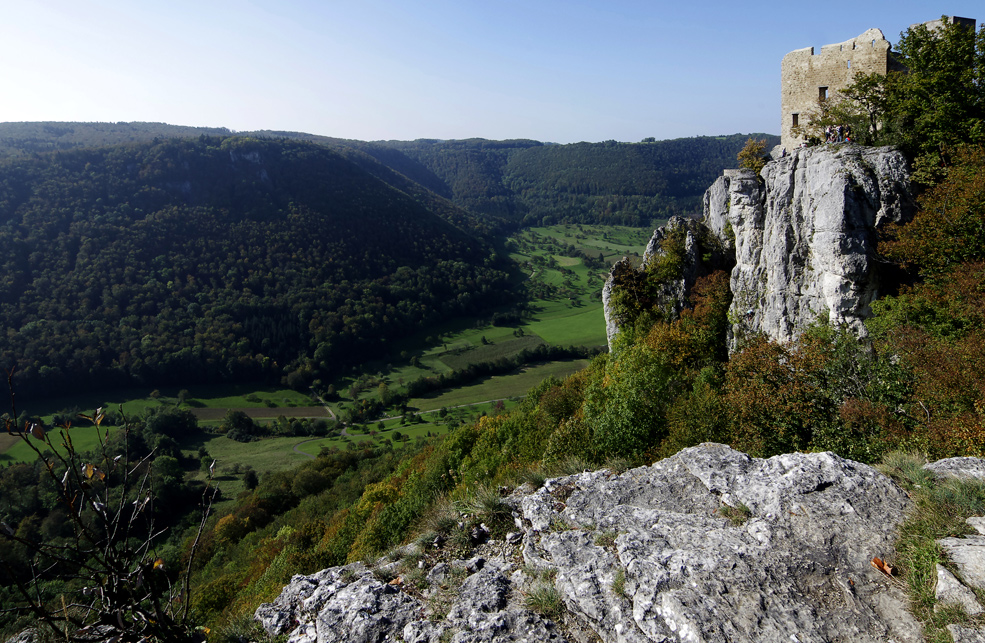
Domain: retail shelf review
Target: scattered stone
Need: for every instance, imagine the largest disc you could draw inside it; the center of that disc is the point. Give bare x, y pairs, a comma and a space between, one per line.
514, 537
961, 634
951, 591
327, 608
479, 534
958, 468
423, 632
968, 554
977, 523
439, 574
471, 565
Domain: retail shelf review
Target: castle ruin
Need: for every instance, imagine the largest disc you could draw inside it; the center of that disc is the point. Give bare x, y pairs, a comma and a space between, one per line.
806, 77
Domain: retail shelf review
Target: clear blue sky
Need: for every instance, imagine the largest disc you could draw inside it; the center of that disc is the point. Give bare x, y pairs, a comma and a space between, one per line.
577, 70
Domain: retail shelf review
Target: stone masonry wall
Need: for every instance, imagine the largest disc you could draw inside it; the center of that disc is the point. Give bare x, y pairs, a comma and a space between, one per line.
803, 73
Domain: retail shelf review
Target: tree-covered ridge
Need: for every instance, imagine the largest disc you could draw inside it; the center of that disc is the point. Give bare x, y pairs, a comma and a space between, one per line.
218, 259
20, 139
609, 182
498, 182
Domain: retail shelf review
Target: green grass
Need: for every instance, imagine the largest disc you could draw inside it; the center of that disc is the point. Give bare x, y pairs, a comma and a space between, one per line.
545, 600
577, 326
499, 386
503, 347
262, 413
84, 438
136, 402
941, 507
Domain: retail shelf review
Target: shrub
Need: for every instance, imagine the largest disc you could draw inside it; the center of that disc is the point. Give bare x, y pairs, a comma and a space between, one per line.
110, 574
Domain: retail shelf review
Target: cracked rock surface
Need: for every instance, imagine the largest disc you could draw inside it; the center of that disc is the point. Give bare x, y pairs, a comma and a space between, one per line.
708, 545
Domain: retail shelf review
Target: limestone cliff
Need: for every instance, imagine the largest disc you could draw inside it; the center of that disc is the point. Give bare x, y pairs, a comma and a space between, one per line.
804, 236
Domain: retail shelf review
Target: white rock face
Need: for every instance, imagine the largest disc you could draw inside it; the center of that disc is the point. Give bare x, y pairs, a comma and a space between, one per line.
805, 239
797, 568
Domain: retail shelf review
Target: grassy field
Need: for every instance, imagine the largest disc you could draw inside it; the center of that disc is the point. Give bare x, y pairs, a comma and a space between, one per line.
498, 386
84, 438
218, 413
135, 402
571, 313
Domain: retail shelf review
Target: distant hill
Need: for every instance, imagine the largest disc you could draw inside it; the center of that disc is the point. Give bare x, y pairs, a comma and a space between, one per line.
617, 183
213, 259
19, 139
499, 182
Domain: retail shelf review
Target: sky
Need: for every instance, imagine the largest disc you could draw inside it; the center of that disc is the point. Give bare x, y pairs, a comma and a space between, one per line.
577, 70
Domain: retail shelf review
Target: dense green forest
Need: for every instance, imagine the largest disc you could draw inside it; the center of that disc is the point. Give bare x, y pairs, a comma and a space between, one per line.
610, 182
217, 259
24, 139
500, 183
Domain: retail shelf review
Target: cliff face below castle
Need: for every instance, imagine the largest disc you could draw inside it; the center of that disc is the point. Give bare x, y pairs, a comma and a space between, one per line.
804, 236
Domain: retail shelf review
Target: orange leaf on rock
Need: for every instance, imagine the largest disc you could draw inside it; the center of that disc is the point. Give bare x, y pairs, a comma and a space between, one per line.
882, 566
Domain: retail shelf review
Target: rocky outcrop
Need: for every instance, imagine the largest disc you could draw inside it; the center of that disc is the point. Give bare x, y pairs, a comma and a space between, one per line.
709, 545
712, 545
474, 601
805, 241
612, 319
804, 236
694, 253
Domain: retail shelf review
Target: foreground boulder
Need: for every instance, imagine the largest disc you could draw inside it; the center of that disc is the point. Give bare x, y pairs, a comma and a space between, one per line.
712, 545
708, 545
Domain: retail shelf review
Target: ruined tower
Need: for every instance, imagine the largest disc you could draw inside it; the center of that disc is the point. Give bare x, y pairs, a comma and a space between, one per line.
806, 77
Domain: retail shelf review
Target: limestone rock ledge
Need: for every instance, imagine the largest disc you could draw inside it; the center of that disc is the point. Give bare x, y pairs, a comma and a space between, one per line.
805, 239
708, 545
804, 236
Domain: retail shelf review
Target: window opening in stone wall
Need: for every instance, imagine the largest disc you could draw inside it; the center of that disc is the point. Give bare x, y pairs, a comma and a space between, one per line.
796, 120
822, 93
849, 64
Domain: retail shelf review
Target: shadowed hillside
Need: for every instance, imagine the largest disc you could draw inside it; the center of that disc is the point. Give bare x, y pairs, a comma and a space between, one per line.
218, 259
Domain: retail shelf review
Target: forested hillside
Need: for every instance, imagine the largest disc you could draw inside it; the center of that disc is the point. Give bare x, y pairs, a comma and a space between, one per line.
610, 182
217, 259
20, 139
501, 183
